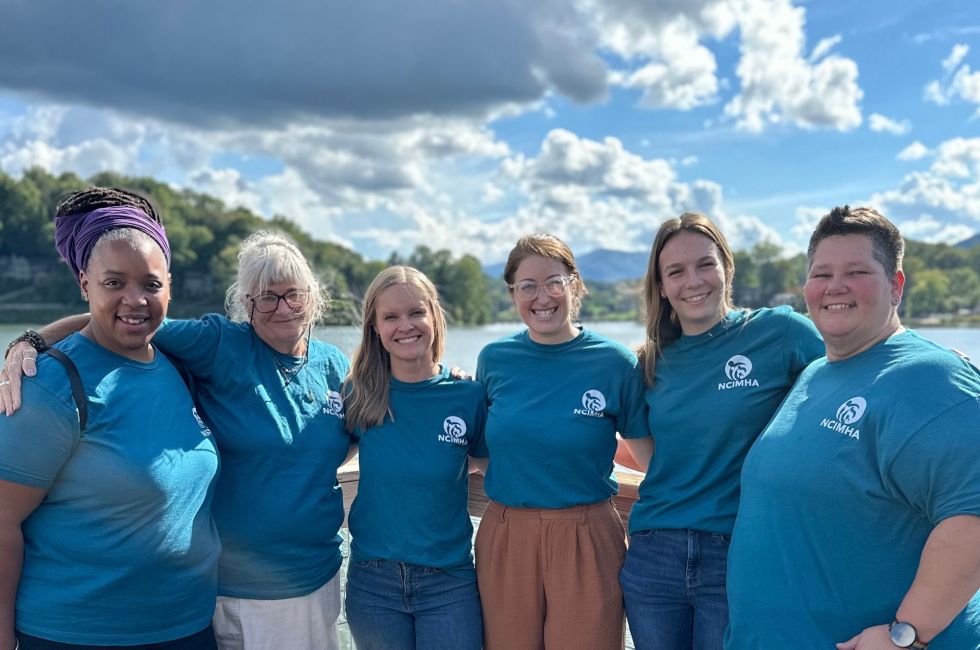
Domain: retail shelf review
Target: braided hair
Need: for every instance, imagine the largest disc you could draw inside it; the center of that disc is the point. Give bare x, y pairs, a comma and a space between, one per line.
104, 197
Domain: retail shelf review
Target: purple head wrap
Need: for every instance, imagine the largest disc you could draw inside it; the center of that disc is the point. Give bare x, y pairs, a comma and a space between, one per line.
75, 234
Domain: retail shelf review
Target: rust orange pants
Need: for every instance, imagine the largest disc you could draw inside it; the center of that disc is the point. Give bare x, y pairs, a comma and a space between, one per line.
549, 579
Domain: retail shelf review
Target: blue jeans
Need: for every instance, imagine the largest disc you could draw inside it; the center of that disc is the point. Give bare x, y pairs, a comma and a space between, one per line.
400, 606
674, 586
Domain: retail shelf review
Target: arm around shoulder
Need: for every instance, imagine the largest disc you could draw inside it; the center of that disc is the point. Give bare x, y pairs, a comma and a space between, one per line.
21, 358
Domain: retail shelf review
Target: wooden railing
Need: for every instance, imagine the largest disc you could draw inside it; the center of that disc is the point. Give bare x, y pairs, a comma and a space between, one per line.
350, 474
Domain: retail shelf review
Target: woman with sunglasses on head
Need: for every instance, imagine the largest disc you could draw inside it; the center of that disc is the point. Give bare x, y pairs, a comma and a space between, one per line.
715, 375
550, 546
410, 581
271, 395
107, 474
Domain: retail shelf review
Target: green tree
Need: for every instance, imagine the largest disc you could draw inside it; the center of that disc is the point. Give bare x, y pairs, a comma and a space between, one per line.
929, 293
964, 289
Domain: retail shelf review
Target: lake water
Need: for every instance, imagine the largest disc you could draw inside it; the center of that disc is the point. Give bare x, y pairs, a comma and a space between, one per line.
463, 344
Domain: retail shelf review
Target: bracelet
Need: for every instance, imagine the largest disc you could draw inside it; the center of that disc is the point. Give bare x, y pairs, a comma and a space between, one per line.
36, 341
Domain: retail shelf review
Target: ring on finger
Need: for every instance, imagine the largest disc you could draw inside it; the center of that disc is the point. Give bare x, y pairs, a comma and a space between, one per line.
4, 382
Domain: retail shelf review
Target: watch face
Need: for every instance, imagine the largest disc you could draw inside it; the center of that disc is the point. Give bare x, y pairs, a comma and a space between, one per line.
902, 634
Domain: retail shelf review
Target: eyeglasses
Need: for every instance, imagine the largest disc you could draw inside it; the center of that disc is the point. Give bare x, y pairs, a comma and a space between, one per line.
553, 286
267, 303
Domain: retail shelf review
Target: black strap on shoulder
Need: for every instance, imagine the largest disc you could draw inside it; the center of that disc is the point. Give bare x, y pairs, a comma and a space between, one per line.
77, 388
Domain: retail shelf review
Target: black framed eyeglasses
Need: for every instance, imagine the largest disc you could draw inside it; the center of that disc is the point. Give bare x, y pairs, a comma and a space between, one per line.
268, 302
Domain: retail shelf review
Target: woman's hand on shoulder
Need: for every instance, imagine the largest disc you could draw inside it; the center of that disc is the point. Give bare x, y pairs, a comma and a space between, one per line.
21, 360
458, 373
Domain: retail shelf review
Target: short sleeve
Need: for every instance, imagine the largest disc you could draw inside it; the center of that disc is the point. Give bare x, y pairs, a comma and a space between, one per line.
481, 367
632, 421
478, 447
36, 441
191, 343
937, 471
802, 343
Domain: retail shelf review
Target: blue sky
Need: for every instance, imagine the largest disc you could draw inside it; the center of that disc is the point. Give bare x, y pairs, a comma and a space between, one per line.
463, 124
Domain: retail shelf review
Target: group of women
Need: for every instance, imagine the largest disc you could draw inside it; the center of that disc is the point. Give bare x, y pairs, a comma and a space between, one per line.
798, 487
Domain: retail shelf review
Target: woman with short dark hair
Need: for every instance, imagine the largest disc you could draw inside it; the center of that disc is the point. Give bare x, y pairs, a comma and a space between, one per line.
859, 522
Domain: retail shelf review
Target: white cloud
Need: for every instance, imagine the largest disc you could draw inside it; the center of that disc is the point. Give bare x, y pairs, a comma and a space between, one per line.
955, 57
928, 229
662, 45
914, 151
959, 82
824, 47
806, 221
600, 195
879, 123
778, 85
958, 158
948, 192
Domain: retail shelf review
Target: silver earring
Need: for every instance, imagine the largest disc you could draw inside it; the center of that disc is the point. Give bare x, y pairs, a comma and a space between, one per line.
895, 301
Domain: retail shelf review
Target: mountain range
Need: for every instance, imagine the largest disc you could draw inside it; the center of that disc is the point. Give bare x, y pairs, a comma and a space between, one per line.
606, 265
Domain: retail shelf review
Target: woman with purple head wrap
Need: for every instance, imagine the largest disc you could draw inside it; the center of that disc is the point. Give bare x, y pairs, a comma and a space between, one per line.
106, 536
272, 397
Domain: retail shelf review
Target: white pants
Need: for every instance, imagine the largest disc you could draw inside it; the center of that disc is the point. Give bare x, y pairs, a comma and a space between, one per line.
304, 623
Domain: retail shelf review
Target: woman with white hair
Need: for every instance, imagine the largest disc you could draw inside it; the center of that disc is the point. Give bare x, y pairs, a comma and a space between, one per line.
271, 395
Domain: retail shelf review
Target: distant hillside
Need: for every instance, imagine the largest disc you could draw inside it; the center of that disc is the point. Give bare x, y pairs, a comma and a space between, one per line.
970, 243
601, 265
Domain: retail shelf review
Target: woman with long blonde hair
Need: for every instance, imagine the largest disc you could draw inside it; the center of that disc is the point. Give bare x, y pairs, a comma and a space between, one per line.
410, 582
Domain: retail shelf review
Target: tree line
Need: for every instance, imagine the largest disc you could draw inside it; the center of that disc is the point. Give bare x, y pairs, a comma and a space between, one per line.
205, 234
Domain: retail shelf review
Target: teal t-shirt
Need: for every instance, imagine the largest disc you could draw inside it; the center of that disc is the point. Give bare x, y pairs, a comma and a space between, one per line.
278, 506
554, 411
863, 459
122, 550
713, 395
411, 503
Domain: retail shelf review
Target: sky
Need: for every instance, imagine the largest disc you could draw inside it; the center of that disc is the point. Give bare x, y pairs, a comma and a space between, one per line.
464, 124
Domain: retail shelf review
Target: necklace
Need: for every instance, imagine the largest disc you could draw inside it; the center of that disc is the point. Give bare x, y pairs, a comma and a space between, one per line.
288, 374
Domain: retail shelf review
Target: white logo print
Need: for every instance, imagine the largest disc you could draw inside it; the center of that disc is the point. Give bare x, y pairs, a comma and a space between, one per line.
848, 413
454, 426
738, 369
852, 410
593, 404
455, 431
334, 405
205, 431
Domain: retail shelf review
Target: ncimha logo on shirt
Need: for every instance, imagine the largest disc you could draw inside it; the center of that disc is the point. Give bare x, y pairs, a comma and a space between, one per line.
738, 369
334, 405
205, 431
454, 429
847, 414
593, 404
